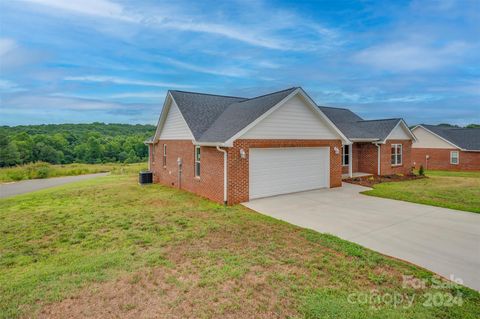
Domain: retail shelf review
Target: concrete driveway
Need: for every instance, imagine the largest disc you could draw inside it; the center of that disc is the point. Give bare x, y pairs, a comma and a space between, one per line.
442, 240
16, 188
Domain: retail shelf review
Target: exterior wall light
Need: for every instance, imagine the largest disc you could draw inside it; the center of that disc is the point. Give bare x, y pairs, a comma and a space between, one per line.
337, 151
242, 153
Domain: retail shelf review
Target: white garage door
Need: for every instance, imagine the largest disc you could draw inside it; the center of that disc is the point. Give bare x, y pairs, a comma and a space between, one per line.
276, 171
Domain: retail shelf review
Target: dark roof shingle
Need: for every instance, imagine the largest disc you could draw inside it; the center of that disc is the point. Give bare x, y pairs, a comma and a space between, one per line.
354, 127
465, 138
217, 118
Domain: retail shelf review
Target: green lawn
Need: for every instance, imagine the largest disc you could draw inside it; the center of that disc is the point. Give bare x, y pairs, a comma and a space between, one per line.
111, 248
46, 170
457, 190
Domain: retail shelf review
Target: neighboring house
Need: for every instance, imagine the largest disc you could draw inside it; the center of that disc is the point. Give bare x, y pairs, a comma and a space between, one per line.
446, 148
233, 149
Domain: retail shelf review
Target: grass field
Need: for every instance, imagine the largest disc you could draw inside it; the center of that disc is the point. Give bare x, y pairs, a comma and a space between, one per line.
457, 190
46, 170
111, 248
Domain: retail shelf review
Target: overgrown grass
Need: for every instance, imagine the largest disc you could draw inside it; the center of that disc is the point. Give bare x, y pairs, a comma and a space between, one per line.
214, 261
46, 170
456, 190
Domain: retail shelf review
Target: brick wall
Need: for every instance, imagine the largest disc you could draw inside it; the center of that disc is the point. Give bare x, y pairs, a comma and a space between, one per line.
210, 183
386, 168
440, 159
238, 168
367, 158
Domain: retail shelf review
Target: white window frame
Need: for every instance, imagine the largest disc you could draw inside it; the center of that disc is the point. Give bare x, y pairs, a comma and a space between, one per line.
451, 157
345, 152
164, 155
398, 150
197, 169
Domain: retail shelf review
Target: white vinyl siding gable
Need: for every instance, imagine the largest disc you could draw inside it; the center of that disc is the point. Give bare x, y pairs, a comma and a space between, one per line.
293, 120
399, 133
425, 139
175, 127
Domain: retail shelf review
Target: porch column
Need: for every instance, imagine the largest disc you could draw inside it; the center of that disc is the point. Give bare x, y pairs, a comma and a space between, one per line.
350, 156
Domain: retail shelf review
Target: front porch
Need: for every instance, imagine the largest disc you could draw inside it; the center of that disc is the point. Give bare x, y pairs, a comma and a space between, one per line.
355, 175
360, 159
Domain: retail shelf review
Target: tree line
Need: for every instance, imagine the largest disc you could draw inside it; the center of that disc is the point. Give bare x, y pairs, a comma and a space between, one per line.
74, 143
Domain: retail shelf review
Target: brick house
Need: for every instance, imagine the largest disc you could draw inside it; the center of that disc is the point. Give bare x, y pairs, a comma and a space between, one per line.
446, 148
233, 149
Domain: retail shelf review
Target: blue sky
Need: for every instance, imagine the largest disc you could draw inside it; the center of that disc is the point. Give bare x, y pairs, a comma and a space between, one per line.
113, 61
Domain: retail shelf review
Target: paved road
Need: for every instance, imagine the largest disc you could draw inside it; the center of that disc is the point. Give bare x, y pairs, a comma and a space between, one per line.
443, 240
16, 188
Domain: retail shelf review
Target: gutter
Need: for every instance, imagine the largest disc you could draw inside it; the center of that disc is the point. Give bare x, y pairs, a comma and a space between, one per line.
378, 160
225, 176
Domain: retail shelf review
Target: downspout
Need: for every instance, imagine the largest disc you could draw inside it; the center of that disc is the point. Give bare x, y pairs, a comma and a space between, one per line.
378, 160
149, 157
350, 157
225, 176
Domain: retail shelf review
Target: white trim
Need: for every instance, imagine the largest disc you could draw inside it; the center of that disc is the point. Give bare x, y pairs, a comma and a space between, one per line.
163, 117
214, 144
364, 139
225, 176
300, 91
195, 161
344, 148
164, 157
350, 157
405, 126
395, 146
443, 139
378, 158
458, 157
149, 158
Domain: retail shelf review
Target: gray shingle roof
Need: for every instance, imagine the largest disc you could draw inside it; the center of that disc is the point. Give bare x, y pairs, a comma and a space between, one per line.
216, 118
239, 115
354, 127
465, 138
201, 110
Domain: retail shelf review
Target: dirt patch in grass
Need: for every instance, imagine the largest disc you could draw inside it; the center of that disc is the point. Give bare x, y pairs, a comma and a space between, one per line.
369, 181
228, 274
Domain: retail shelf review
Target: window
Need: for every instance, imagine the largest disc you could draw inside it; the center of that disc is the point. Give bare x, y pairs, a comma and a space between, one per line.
345, 155
164, 155
396, 154
197, 161
454, 157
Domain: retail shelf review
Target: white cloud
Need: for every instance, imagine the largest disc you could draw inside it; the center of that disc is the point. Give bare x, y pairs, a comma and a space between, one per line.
119, 80
224, 71
260, 31
9, 87
6, 46
54, 102
406, 56
99, 8
124, 95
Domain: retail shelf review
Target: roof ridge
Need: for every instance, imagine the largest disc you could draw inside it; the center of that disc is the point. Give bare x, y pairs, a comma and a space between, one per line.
389, 119
451, 127
334, 107
256, 97
211, 94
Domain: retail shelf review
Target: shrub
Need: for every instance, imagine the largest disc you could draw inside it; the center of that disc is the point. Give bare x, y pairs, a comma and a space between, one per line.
421, 171
43, 172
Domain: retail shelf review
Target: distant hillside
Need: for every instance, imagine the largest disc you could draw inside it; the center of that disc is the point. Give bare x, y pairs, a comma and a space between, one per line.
68, 143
